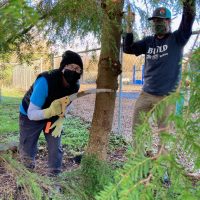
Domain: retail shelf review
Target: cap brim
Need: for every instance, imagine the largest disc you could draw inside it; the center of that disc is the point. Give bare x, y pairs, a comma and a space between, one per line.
151, 18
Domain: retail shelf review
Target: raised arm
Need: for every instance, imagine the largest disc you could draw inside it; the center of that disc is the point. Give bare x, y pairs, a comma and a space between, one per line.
129, 46
185, 29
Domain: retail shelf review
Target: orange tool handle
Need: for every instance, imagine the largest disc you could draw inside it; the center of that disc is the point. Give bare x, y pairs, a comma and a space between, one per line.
47, 128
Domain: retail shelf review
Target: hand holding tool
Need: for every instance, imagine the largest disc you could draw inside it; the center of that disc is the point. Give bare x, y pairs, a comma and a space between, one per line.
130, 19
54, 109
65, 101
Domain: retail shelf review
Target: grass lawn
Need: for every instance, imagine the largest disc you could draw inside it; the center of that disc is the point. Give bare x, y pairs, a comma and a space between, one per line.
9, 112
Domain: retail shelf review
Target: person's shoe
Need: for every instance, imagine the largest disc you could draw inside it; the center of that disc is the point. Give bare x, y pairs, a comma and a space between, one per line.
54, 173
30, 166
28, 163
77, 159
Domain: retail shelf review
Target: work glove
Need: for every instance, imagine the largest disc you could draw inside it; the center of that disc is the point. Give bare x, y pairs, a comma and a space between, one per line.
54, 109
130, 18
58, 126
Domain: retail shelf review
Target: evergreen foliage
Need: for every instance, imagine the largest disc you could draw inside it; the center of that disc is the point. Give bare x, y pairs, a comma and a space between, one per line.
31, 186
95, 175
30, 183
15, 18
73, 18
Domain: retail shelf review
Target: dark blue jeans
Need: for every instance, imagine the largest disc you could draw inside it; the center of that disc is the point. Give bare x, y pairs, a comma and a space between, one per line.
29, 134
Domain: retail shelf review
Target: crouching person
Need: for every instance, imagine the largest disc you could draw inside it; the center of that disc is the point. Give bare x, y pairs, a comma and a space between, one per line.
41, 107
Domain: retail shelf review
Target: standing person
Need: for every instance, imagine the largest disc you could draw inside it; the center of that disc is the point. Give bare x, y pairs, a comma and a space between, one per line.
41, 105
163, 54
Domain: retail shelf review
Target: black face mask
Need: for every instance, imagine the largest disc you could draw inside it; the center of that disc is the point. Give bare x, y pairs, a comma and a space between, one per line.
71, 76
160, 28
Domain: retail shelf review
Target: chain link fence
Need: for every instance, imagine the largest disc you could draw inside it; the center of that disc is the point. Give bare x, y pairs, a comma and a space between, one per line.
24, 75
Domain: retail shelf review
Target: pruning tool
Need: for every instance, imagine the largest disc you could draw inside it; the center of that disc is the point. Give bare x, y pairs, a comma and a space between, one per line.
65, 101
68, 99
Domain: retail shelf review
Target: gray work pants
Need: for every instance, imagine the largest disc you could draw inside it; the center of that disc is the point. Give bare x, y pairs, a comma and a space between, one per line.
29, 134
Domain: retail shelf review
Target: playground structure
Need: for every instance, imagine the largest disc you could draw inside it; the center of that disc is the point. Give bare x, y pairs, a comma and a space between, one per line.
138, 75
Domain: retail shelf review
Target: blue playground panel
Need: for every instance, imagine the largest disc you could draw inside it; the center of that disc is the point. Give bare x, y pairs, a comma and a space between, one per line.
135, 72
129, 95
138, 82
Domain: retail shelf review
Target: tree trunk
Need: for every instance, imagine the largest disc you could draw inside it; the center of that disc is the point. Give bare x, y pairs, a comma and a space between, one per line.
108, 70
